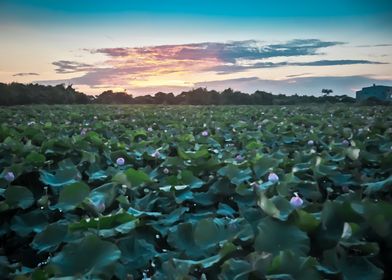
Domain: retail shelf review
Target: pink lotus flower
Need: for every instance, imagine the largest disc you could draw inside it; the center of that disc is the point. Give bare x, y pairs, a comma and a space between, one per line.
310, 142
345, 188
156, 154
239, 158
345, 142
9, 176
273, 178
254, 185
99, 204
204, 133
83, 131
296, 201
120, 161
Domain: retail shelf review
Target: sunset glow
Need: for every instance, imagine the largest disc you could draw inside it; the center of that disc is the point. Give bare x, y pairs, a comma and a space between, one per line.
296, 52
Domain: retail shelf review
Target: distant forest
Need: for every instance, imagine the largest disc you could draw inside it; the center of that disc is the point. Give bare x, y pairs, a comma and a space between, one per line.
24, 94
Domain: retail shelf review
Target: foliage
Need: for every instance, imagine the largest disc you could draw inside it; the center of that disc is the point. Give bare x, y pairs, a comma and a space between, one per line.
326, 91
19, 94
191, 205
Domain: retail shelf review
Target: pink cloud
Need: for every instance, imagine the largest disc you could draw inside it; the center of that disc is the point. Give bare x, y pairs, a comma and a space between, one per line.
135, 67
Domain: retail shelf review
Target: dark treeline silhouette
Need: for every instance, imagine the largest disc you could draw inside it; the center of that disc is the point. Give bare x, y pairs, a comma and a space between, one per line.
20, 94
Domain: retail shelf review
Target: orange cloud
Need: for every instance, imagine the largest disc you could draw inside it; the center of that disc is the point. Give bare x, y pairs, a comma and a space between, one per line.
179, 66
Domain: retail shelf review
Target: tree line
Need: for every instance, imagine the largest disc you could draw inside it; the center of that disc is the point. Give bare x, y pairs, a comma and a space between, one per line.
23, 94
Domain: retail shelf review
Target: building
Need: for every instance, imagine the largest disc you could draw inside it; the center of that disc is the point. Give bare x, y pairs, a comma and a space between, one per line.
382, 93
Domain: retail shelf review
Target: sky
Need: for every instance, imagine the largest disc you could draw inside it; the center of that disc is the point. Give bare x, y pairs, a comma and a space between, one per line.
144, 47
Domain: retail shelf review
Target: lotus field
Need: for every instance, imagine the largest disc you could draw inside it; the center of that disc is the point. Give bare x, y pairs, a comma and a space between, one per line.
182, 192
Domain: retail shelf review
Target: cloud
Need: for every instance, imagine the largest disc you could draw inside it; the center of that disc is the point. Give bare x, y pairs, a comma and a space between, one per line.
297, 75
125, 65
376, 45
141, 69
292, 85
227, 82
228, 52
25, 74
228, 69
66, 66
335, 62
300, 85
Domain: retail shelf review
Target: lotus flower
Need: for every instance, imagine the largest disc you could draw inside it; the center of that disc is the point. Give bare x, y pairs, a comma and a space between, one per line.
310, 142
296, 201
345, 142
120, 161
345, 188
83, 131
99, 204
255, 185
9, 176
204, 133
239, 158
156, 154
166, 171
273, 178
149, 129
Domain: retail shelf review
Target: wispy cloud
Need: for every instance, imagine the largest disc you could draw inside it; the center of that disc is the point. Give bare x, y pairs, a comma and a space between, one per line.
375, 45
66, 66
151, 67
25, 74
125, 65
223, 52
233, 68
301, 85
297, 75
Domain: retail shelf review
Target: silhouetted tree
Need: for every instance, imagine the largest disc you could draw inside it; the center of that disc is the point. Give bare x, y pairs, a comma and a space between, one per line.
326, 91
18, 94
110, 97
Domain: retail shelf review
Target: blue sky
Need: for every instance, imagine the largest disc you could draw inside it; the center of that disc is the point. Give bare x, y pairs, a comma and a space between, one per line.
226, 8
147, 46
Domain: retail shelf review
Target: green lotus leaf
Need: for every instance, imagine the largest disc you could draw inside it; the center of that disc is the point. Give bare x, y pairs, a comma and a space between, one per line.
275, 236
132, 178
18, 196
51, 237
263, 165
72, 195
233, 269
35, 159
380, 186
107, 226
277, 206
90, 255
136, 252
287, 265
33, 221
236, 175
65, 175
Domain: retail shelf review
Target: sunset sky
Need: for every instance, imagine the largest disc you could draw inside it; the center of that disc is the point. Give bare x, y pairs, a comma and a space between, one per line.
148, 46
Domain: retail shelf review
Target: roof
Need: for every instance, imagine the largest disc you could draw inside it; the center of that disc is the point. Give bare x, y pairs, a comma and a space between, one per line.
375, 87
